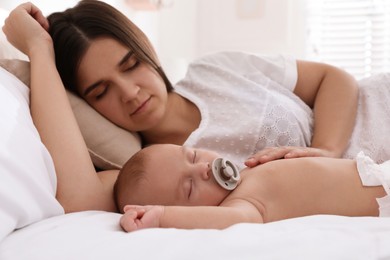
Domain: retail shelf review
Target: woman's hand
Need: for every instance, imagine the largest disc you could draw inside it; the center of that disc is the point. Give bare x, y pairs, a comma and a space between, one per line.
286, 152
140, 217
26, 28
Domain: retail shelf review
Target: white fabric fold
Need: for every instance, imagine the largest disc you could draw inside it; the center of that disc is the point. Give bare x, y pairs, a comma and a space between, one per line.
372, 174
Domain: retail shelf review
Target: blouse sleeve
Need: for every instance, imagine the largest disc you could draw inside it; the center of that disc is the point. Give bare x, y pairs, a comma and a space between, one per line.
277, 68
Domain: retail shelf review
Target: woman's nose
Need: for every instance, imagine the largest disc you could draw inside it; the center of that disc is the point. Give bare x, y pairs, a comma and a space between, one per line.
128, 91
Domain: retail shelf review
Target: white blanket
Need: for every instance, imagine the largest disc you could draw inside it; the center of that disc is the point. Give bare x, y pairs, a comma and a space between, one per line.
97, 235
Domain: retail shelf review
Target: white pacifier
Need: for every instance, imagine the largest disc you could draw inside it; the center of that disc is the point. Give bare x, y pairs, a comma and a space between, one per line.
225, 173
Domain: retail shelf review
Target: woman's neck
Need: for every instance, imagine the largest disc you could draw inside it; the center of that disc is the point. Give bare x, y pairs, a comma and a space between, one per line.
181, 119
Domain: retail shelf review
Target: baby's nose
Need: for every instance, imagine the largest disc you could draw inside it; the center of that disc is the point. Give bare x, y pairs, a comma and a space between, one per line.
206, 171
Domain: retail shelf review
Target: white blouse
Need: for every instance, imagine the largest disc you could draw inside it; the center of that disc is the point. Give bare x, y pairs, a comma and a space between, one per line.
246, 103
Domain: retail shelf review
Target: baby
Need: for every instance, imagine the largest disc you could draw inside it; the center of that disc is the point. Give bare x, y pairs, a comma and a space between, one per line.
177, 186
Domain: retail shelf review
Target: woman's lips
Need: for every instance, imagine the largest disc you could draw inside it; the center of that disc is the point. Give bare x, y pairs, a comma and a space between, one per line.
141, 108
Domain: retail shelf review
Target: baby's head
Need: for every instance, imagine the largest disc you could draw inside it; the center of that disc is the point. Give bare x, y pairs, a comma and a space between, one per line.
169, 175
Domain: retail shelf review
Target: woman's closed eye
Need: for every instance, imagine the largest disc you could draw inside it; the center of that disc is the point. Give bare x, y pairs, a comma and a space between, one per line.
131, 63
100, 91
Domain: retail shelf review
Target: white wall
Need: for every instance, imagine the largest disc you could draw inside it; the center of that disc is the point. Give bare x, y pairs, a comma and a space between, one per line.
177, 39
49, 6
262, 26
46, 6
191, 28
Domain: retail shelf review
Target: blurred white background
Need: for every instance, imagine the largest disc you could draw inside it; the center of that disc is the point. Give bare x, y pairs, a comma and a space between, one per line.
324, 30
187, 29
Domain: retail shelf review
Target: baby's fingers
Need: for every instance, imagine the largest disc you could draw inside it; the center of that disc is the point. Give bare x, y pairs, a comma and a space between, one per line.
129, 207
128, 221
139, 210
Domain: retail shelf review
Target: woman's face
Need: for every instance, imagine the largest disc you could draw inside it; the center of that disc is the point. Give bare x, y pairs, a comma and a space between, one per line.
129, 93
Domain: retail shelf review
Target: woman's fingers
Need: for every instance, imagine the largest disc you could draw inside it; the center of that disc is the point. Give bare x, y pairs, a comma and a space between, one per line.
26, 27
274, 153
36, 13
268, 154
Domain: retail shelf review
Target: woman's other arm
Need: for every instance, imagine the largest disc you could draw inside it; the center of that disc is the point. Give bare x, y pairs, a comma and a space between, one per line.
333, 95
79, 187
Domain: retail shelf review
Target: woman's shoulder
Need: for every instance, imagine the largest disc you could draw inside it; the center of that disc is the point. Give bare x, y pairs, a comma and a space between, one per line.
232, 58
222, 56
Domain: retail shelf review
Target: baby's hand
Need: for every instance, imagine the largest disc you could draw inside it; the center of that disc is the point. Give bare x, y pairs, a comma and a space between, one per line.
140, 217
286, 152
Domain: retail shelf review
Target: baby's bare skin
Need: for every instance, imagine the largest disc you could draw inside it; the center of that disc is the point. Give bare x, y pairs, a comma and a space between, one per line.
306, 186
273, 191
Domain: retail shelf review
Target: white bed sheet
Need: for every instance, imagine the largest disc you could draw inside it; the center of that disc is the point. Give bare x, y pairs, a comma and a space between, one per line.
97, 235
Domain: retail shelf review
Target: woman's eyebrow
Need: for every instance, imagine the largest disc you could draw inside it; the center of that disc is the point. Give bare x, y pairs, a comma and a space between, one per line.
125, 58
92, 87
96, 84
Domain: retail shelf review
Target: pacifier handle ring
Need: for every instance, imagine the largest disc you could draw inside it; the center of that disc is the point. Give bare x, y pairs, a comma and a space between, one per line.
226, 165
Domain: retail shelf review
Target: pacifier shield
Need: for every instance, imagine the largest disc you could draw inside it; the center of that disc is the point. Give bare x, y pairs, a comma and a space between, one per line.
225, 173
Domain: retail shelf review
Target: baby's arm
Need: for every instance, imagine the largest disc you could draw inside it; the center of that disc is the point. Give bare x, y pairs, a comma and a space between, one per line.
213, 217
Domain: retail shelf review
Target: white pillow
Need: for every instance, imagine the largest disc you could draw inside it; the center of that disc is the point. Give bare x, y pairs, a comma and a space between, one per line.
109, 145
27, 175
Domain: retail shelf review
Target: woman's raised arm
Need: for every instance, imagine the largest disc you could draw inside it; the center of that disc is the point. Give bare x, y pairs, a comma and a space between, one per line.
79, 188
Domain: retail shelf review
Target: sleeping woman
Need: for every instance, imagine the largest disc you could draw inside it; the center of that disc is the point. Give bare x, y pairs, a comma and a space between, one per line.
114, 68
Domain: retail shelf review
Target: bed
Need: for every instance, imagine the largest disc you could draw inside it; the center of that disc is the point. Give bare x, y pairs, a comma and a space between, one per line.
34, 226
96, 235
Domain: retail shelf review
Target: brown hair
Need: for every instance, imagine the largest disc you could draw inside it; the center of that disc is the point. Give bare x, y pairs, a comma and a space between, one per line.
128, 181
73, 30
